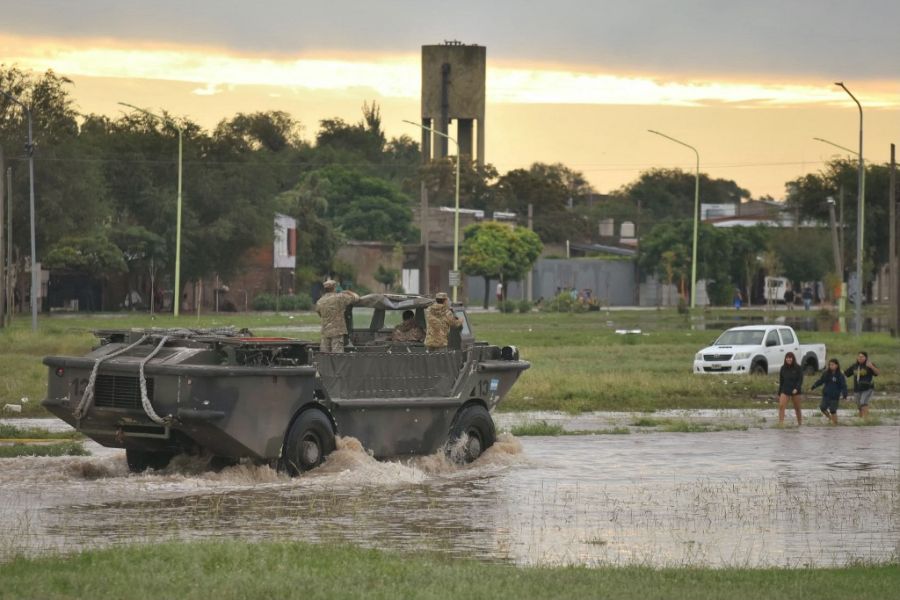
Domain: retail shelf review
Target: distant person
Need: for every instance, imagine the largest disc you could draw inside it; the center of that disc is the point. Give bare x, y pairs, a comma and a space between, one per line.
789, 298
408, 330
439, 318
863, 371
834, 388
737, 299
331, 308
807, 298
790, 386
499, 292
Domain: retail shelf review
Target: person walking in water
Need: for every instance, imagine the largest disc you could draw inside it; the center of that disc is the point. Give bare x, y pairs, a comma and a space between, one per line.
439, 318
863, 372
834, 388
331, 307
790, 385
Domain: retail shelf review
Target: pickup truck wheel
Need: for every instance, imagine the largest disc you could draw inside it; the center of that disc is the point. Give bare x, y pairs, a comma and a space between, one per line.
141, 460
810, 367
758, 369
476, 425
309, 441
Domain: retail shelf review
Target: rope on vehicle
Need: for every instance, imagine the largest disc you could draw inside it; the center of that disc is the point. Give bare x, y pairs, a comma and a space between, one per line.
145, 401
88, 397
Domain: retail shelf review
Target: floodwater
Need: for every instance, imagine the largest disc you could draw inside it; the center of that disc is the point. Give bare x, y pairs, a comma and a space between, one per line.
800, 320
784, 497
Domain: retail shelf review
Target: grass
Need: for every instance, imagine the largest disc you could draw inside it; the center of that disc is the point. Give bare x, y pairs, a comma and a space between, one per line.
70, 448
11, 432
234, 569
578, 361
538, 428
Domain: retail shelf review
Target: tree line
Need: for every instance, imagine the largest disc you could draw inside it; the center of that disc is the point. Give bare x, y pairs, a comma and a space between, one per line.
106, 191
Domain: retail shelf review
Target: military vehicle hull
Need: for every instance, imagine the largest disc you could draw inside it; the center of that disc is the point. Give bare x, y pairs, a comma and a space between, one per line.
276, 400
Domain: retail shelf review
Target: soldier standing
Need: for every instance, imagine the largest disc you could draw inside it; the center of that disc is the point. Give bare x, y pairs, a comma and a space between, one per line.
439, 318
331, 307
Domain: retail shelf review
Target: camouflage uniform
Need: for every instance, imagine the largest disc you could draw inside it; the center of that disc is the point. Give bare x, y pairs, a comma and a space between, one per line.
408, 331
439, 318
331, 307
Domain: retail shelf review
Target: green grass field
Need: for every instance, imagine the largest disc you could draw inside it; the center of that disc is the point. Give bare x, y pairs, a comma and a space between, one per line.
578, 361
242, 570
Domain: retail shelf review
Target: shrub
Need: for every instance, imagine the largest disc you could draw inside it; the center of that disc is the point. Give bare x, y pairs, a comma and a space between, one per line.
563, 303
524, 306
266, 301
507, 306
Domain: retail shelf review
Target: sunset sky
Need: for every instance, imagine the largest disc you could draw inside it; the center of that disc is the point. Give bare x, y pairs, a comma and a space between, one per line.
573, 81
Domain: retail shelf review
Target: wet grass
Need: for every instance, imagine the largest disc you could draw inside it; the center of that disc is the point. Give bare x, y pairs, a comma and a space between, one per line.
538, 428
226, 570
578, 361
70, 448
10, 432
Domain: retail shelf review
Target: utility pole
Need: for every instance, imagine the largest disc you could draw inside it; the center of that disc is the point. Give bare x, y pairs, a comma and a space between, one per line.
423, 233
529, 283
894, 289
3, 278
10, 282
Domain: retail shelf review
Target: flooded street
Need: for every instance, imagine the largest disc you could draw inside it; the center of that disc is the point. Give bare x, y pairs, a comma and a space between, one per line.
793, 497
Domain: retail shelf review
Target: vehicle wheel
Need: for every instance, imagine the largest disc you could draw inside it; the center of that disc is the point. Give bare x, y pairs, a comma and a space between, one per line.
476, 424
758, 369
141, 460
810, 367
309, 441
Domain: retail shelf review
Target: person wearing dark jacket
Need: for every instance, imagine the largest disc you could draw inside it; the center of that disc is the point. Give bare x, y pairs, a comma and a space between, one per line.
790, 385
834, 387
862, 373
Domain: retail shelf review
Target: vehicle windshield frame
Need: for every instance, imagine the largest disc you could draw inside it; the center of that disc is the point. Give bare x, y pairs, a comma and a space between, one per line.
741, 337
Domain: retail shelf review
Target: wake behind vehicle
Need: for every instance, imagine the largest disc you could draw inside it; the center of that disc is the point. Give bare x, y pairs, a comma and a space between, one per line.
229, 395
757, 349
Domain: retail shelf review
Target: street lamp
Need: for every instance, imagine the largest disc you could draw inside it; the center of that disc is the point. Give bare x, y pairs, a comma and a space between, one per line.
29, 148
456, 212
176, 298
860, 217
844, 148
696, 216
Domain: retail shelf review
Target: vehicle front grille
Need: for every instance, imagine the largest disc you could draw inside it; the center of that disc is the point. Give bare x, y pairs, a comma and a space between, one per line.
716, 357
117, 391
723, 369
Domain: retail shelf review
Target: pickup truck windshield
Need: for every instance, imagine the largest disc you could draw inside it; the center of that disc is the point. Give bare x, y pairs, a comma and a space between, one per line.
744, 337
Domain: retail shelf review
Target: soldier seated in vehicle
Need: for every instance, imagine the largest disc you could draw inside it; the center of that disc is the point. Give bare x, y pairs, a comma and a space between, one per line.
408, 330
331, 307
439, 318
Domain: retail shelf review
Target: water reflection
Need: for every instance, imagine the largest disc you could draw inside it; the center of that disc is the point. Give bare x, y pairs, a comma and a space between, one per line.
799, 320
758, 497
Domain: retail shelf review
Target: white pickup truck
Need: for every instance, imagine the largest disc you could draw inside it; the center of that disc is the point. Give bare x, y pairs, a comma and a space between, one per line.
757, 349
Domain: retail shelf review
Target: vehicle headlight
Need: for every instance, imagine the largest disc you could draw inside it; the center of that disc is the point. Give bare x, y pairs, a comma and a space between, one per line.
699, 356
741, 355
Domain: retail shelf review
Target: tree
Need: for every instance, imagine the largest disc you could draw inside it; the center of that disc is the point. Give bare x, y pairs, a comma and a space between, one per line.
809, 194
496, 251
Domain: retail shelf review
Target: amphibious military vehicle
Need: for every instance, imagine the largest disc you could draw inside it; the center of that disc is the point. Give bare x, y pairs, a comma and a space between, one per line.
229, 395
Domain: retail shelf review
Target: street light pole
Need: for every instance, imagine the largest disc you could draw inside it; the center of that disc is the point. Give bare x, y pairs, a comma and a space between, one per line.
176, 298
696, 216
860, 218
29, 148
456, 202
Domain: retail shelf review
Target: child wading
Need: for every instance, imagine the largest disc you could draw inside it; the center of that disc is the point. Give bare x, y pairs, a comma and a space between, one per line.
835, 387
862, 372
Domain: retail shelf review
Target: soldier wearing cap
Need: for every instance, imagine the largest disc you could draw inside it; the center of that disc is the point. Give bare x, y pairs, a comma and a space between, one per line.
439, 318
331, 308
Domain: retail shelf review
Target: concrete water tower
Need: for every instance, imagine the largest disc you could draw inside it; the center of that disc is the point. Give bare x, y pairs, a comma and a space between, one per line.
453, 89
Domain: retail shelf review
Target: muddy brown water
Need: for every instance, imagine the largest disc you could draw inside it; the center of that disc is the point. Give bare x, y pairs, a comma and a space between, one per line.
794, 497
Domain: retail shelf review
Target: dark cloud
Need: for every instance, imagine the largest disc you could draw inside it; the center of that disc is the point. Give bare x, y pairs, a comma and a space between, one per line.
785, 38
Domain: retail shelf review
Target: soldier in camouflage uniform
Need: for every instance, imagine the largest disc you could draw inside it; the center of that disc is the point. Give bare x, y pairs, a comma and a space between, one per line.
439, 318
331, 307
408, 330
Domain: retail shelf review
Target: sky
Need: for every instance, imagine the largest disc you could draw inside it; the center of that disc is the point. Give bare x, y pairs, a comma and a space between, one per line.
749, 84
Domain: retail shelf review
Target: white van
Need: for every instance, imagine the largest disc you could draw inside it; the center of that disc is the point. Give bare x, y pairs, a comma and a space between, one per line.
776, 287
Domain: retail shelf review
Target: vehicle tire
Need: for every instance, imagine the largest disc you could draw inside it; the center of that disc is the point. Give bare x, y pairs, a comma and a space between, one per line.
309, 441
810, 367
758, 368
476, 423
141, 460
